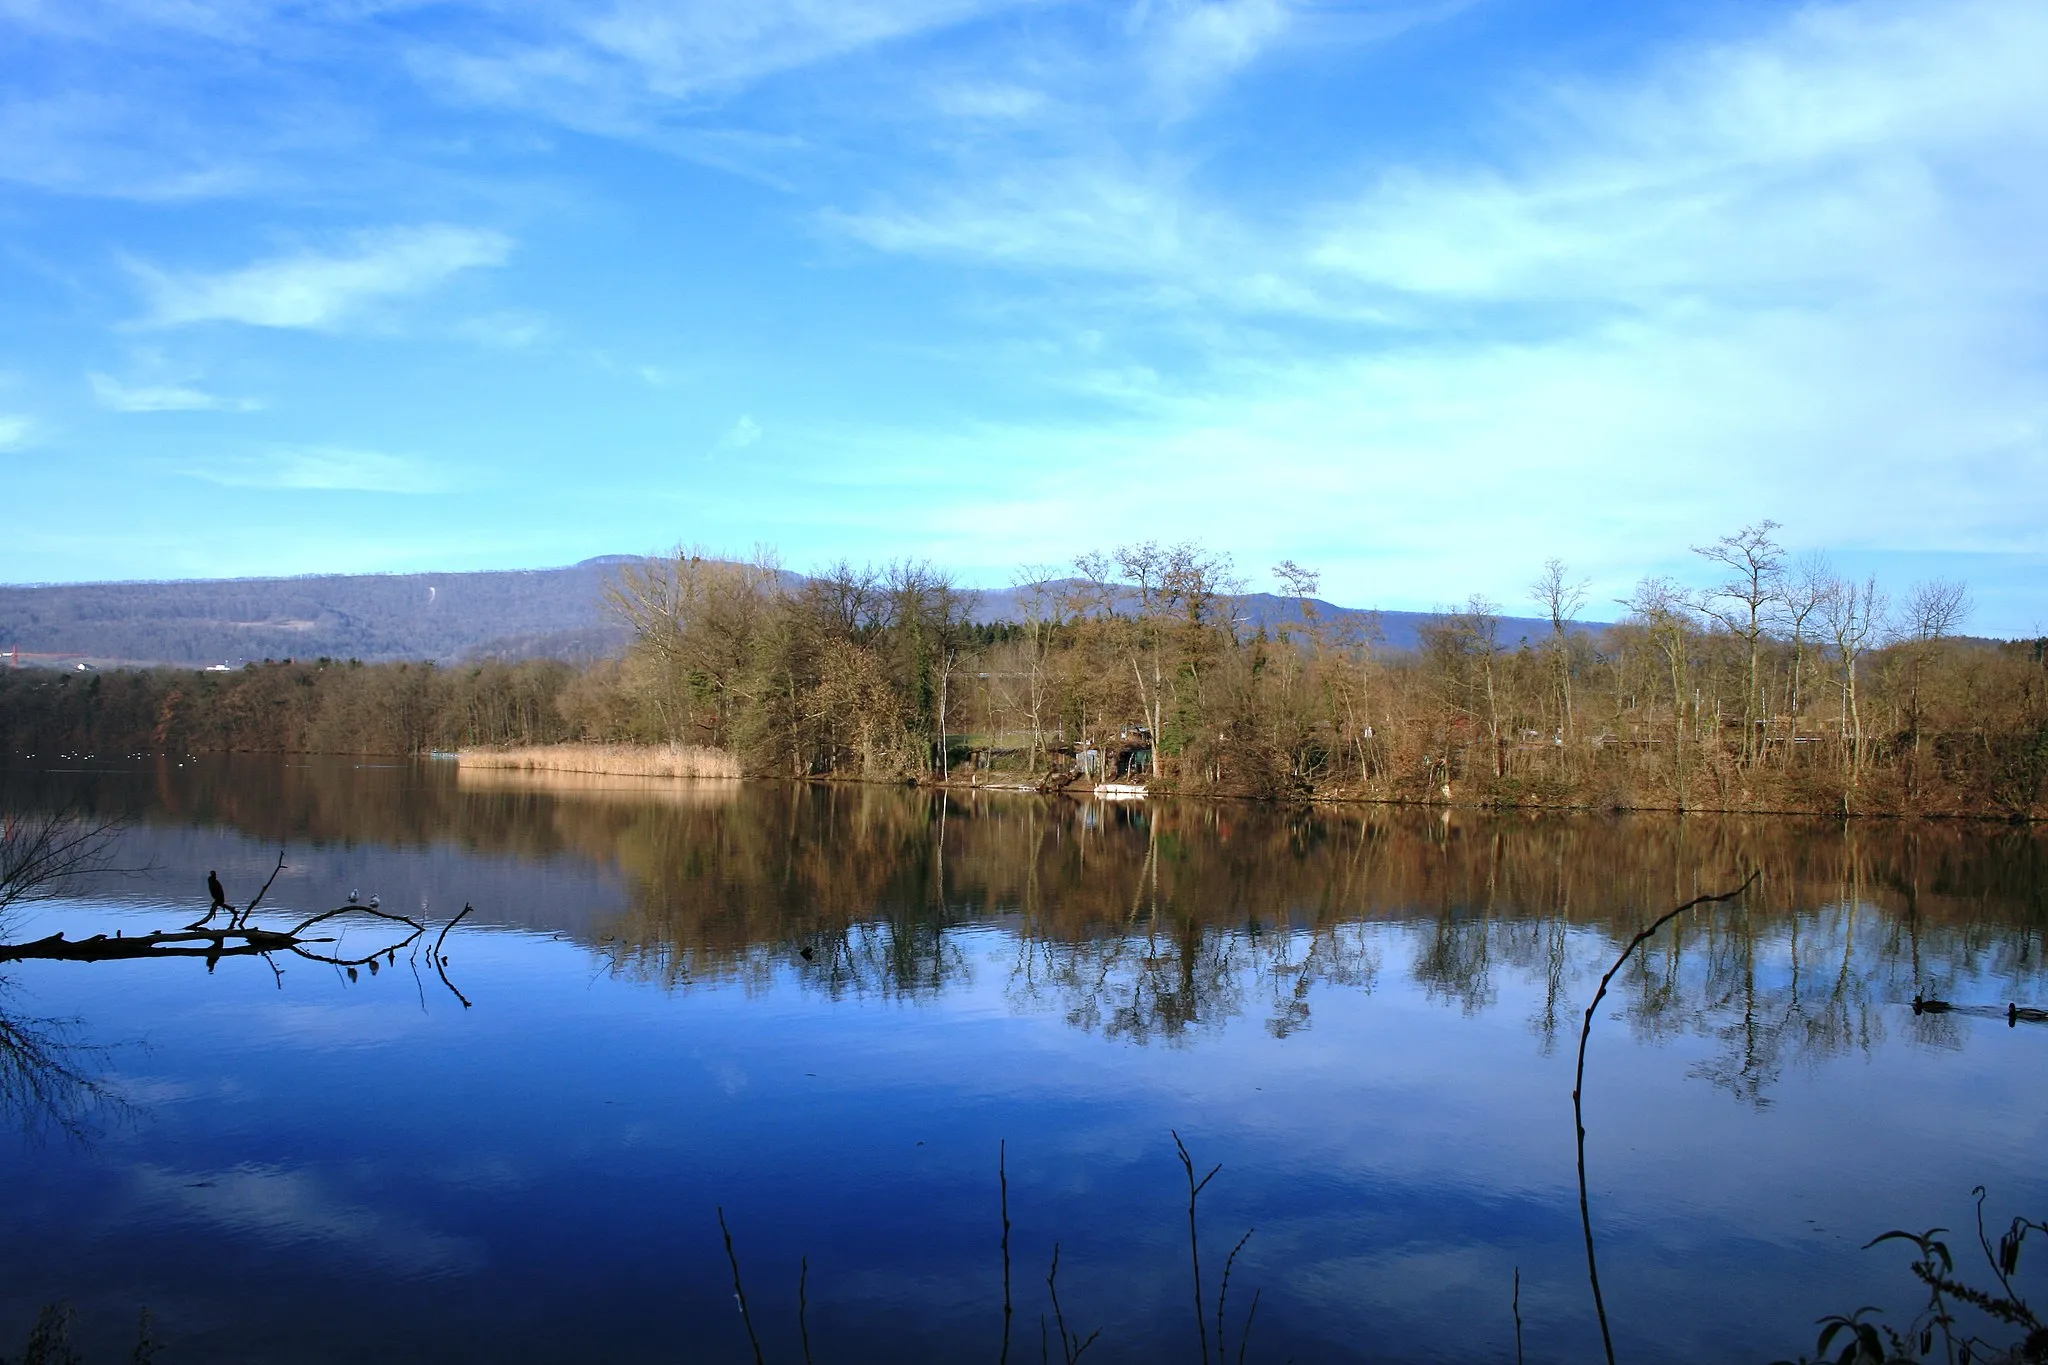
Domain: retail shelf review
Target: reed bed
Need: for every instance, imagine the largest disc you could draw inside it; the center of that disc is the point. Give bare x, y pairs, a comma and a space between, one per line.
619, 760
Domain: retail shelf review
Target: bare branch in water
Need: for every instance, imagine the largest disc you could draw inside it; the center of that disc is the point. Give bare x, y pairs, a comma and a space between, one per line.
1579, 1086
1003, 1178
1195, 1189
739, 1290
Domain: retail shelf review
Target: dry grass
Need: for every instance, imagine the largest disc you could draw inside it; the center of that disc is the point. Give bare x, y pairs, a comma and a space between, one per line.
619, 760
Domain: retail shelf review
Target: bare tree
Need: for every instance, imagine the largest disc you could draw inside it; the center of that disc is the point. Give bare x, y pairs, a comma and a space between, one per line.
1464, 647
1665, 612
1855, 615
1562, 600
1302, 585
1176, 595
1937, 608
1741, 602
695, 621
1800, 595
931, 618
1043, 610
1934, 611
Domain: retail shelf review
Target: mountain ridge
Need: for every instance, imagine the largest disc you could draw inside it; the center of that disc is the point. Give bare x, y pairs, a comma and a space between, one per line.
446, 618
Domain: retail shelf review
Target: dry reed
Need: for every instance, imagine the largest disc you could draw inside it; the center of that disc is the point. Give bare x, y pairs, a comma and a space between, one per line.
623, 760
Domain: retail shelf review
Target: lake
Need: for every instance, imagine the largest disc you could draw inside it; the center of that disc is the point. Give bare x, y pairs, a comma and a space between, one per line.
830, 1012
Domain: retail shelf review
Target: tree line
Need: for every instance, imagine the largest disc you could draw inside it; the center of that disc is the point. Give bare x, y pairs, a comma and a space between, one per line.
283, 706
1773, 683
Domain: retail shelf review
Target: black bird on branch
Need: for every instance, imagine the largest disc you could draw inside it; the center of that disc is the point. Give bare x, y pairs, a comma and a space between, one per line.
220, 897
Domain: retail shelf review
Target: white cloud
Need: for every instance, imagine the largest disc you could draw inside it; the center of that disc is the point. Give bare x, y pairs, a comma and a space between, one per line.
1798, 275
173, 397
1077, 213
741, 434
322, 290
325, 469
1855, 147
16, 431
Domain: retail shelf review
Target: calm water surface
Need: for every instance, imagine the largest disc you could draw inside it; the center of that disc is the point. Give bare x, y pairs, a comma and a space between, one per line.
824, 1009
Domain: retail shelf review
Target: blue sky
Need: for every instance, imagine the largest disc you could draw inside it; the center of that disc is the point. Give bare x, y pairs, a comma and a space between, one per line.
1415, 293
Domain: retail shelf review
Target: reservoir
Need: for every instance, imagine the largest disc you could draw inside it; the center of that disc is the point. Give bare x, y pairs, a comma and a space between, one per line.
858, 1024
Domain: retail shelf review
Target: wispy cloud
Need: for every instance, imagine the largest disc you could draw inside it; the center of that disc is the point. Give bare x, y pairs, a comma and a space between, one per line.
1192, 46
16, 431
1811, 251
325, 469
105, 144
1854, 146
571, 57
321, 289
741, 434
297, 1208
995, 101
176, 397
510, 330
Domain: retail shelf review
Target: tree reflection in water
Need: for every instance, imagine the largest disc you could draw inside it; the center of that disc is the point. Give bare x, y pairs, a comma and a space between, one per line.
1157, 923
1161, 921
48, 1079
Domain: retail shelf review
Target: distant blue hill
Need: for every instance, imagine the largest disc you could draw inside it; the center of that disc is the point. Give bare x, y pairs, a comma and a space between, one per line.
446, 617
1396, 630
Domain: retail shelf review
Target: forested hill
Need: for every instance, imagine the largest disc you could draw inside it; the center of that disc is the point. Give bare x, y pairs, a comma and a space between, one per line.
511, 614
538, 613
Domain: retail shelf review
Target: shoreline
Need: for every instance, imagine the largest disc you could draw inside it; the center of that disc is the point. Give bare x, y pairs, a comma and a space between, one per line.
533, 768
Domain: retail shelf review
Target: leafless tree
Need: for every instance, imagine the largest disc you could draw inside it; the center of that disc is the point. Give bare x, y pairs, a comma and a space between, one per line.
1665, 611
1562, 600
1934, 611
1741, 602
694, 620
1801, 592
1044, 612
1855, 617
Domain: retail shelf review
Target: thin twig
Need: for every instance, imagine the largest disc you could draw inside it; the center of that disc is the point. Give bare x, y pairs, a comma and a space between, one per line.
1194, 1244
1223, 1293
1003, 1179
1071, 1345
803, 1305
1579, 1085
466, 908
303, 925
243, 918
1517, 1306
1052, 1284
738, 1290
1245, 1341
441, 963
